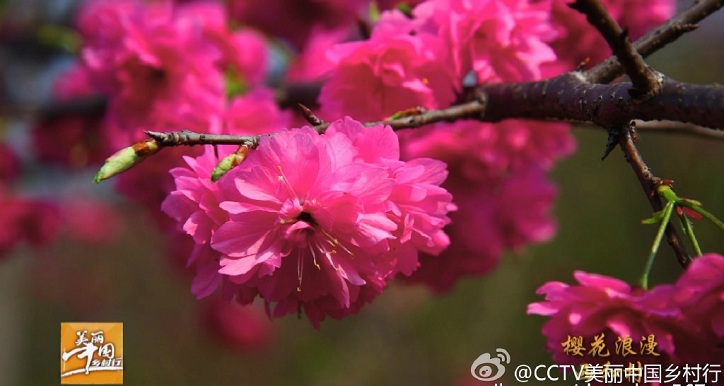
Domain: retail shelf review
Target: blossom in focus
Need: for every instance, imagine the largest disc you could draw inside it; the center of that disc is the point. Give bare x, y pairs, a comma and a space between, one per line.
598, 304
194, 206
313, 220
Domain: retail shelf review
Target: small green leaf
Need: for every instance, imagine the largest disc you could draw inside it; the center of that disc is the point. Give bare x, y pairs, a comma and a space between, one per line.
655, 219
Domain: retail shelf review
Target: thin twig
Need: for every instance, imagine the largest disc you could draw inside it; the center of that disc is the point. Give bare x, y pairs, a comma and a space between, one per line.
646, 82
671, 127
668, 32
472, 109
649, 182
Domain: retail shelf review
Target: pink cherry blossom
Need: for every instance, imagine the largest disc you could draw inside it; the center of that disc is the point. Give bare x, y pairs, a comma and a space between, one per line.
484, 151
578, 41
243, 51
9, 166
499, 186
312, 222
499, 40
699, 293
388, 73
293, 21
30, 220
510, 213
73, 138
256, 112
90, 220
601, 304
311, 64
235, 326
194, 205
155, 64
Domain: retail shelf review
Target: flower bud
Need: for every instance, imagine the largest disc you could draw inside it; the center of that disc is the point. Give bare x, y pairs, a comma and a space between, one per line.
126, 158
229, 162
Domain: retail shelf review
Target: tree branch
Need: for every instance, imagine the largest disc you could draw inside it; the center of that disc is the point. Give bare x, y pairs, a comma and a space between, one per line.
649, 182
571, 97
645, 81
671, 127
567, 97
668, 32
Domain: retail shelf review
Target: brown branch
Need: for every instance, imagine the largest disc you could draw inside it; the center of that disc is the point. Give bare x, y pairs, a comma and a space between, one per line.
649, 182
468, 110
567, 97
570, 97
670, 127
646, 82
668, 32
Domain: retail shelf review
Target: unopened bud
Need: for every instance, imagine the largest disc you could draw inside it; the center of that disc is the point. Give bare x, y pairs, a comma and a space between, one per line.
229, 162
126, 158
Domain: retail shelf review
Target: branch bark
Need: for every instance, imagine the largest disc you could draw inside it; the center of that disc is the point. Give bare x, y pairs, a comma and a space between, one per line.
668, 32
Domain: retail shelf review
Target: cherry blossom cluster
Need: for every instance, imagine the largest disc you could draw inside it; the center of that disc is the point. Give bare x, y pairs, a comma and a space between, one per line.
321, 223
312, 222
686, 319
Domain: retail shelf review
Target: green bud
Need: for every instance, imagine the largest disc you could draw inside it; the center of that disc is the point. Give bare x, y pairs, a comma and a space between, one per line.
666, 192
126, 158
229, 162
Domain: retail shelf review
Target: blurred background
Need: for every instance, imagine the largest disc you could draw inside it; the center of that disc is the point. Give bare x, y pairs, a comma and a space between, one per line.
110, 268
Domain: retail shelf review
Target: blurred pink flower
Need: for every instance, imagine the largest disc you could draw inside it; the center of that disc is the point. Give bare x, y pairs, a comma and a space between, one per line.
293, 21
389, 4
311, 64
486, 151
577, 40
390, 72
500, 188
312, 220
90, 220
29, 220
256, 112
244, 51
72, 135
240, 328
155, 64
510, 213
601, 304
9, 166
699, 293
499, 40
